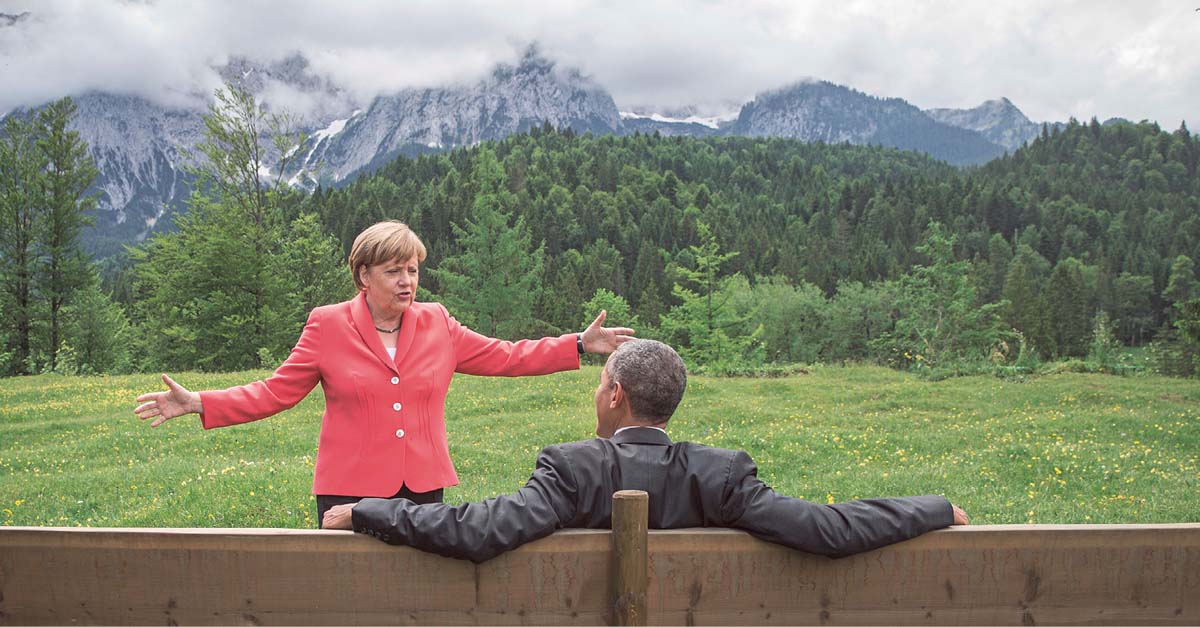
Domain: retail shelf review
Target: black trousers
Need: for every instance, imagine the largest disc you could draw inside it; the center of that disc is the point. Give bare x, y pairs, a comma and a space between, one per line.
326, 501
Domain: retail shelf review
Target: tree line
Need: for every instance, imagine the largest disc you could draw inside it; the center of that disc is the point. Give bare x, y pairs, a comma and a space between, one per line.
56, 315
742, 252
833, 251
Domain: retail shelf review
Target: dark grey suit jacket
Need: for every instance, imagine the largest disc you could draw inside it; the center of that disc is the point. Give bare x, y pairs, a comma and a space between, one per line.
690, 485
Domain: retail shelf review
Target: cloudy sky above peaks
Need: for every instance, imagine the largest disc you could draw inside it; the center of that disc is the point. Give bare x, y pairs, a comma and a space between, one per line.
1052, 59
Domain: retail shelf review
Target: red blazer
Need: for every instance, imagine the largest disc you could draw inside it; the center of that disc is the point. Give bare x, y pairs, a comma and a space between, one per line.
384, 424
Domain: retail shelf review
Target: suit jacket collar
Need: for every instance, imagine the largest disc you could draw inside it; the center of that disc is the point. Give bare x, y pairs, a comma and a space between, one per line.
366, 329
641, 436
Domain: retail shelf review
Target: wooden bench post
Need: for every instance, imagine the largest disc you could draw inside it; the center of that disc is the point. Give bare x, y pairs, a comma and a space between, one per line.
630, 514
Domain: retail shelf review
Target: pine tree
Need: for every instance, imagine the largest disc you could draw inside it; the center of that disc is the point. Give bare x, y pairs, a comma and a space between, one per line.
999, 256
649, 272
1024, 307
1188, 326
858, 316
1067, 311
1181, 283
324, 279
213, 295
618, 314
939, 318
97, 330
493, 283
21, 204
704, 327
1104, 350
794, 318
68, 176
1133, 307
242, 141
1177, 352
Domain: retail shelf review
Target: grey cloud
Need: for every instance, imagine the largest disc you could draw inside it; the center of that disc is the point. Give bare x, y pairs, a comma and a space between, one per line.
1054, 60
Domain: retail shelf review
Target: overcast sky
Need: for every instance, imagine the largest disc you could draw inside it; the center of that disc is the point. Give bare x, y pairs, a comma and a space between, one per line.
1053, 59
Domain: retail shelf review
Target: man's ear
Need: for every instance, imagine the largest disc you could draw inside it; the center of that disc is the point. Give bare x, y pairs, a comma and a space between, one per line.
618, 396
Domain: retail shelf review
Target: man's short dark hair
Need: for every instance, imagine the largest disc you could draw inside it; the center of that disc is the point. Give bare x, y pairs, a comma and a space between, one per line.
652, 375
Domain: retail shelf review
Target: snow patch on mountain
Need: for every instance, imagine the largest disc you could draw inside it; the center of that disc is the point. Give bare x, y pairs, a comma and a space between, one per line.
334, 128
713, 122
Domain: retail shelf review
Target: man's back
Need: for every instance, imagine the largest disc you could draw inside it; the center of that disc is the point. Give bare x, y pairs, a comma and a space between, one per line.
685, 481
690, 485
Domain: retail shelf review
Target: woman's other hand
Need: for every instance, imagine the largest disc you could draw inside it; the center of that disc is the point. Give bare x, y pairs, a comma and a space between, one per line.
163, 406
599, 339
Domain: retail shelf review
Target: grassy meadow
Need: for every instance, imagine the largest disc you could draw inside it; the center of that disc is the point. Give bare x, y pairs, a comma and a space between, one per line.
1064, 448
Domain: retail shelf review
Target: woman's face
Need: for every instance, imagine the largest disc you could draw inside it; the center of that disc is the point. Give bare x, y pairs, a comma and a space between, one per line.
390, 286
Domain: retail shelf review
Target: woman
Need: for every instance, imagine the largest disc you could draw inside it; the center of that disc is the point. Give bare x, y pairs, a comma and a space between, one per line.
385, 362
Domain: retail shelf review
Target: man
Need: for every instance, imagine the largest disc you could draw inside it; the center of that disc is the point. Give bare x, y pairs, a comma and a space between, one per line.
690, 485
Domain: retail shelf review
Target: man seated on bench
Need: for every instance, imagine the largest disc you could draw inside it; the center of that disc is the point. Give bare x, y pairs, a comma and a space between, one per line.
690, 485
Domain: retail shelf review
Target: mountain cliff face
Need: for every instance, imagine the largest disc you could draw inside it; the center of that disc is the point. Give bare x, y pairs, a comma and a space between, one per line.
822, 111
1000, 121
511, 100
139, 149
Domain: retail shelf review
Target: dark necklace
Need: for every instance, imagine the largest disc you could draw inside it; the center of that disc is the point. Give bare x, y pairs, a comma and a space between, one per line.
388, 330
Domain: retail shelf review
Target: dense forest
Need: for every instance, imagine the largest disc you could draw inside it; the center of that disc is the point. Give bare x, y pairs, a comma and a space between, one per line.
1086, 219
742, 252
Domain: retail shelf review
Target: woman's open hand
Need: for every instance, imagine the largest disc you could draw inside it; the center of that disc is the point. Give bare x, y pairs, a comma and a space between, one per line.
163, 406
603, 340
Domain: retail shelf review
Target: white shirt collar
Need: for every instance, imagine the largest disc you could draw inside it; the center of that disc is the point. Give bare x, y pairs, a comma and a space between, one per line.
639, 427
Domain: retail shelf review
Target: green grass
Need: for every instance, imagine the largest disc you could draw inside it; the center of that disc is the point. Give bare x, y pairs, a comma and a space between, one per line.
1067, 448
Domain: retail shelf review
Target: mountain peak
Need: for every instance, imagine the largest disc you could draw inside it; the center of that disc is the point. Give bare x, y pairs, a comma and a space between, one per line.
533, 59
290, 84
999, 120
255, 76
997, 104
532, 62
822, 111
808, 85
512, 99
10, 19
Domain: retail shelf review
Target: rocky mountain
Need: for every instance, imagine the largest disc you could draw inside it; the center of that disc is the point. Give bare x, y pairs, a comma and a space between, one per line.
823, 111
140, 149
513, 99
1000, 121
140, 146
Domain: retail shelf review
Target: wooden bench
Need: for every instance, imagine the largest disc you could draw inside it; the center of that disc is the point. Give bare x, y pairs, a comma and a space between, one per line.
987, 575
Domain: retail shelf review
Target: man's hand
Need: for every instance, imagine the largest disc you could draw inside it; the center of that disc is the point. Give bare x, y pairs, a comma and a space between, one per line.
960, 517
339, 517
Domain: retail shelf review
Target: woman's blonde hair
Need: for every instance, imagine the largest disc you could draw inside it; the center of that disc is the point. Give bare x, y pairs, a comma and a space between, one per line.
382, 242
